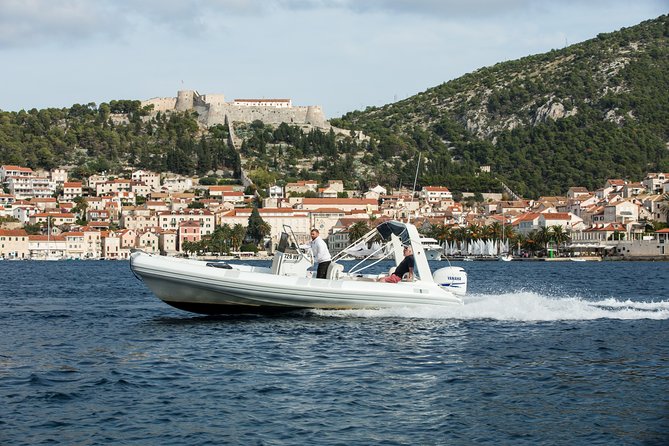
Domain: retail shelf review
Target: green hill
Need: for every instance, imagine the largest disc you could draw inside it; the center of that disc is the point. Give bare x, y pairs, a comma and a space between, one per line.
571, 117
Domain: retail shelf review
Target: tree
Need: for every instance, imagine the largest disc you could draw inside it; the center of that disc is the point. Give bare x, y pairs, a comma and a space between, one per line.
560, 236
237, 234
257, 228
357, 230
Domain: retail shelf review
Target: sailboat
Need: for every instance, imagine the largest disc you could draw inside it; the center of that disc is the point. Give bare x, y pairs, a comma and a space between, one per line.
48, 255
504, 256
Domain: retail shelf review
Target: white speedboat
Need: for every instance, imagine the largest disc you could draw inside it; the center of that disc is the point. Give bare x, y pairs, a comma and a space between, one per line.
433, 249
221, 288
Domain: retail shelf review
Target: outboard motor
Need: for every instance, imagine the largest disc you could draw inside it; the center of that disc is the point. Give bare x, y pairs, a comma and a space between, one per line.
452, 278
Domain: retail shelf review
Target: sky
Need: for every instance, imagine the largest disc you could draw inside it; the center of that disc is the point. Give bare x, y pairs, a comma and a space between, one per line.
343, 55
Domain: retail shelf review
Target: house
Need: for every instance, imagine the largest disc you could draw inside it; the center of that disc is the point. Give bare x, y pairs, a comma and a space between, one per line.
108, 187
75, 246
14, 171
526, 223
233, 197
275, 191
138, 218
653, 182
654, 205
435, 194
577, 192
621, 211
600, 232
57, 218
150, 179
298, 220
167, 242
6, 199
58, 176
327, 192
173, 219
139, 189
218, 191
72, 190
177, 184
148, 241
47, 246
92, 242
189, 231
631, 190
301, 187
564, 219
96, 215
126, 238
345, 204
14, 244
111, 247
512, 207
45, 204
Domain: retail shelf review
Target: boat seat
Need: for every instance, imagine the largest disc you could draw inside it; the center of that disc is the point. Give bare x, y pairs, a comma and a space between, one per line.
405, 277
335, 271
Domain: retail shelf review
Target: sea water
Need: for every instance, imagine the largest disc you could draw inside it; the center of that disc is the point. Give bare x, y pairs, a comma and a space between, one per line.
541, 353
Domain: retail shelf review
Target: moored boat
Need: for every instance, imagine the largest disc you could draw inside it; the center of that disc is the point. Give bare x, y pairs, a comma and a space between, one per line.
432, 248
220, 288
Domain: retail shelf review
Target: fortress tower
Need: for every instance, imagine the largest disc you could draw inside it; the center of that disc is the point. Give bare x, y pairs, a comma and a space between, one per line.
185, 100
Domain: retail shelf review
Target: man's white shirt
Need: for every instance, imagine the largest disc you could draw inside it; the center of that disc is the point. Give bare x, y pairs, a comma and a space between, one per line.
320, 250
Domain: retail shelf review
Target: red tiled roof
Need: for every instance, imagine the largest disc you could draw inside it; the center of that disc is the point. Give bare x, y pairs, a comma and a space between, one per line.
557, 216
13, 232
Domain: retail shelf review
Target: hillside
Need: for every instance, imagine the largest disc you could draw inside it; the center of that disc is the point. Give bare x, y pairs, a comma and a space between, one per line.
575, 116
571, 117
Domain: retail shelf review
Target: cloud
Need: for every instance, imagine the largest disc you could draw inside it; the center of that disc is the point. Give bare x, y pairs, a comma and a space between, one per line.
26, 23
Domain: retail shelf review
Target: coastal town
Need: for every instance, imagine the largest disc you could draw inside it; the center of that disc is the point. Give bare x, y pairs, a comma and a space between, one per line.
46, 216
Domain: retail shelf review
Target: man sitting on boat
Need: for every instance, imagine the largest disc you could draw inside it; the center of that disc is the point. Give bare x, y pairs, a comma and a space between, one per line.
321, 254
405, 267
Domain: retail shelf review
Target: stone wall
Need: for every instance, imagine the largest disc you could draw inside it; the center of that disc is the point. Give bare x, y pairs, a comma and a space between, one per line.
212, 109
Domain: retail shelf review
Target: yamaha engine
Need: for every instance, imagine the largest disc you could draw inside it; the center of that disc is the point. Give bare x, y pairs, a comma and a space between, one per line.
452, 278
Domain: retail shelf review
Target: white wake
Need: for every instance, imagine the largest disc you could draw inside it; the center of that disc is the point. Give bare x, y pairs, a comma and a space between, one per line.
521, 306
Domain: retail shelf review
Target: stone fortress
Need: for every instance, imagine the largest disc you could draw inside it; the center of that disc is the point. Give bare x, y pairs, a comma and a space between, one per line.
212, 109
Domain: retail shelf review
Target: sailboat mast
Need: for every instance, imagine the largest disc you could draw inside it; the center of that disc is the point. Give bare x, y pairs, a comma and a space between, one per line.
415, 179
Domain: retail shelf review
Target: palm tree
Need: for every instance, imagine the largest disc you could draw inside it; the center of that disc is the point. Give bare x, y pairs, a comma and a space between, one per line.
237, 234
357, 230
560, 236
532, 242
441, 233
544, 237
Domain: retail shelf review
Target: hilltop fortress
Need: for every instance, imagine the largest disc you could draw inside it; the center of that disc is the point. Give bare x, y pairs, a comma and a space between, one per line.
212, 109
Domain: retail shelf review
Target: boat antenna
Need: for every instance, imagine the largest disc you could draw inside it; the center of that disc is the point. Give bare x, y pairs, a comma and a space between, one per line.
413, 192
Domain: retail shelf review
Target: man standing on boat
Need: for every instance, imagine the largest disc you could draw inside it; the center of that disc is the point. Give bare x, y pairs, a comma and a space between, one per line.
321, 254
405, 267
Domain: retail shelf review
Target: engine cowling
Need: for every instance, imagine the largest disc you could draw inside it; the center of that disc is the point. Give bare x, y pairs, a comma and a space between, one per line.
452, 278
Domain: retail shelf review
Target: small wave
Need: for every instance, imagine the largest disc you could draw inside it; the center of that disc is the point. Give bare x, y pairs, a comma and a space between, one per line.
521, 306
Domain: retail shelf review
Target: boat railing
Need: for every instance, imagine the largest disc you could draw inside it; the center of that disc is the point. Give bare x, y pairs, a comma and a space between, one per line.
353, 269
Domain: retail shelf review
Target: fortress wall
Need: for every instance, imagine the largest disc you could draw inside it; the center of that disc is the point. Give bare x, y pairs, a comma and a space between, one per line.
161, 104
268, 115
212, 109
214, 99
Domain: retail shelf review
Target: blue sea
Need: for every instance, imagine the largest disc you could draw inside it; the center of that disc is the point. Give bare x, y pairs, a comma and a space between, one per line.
549, 353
